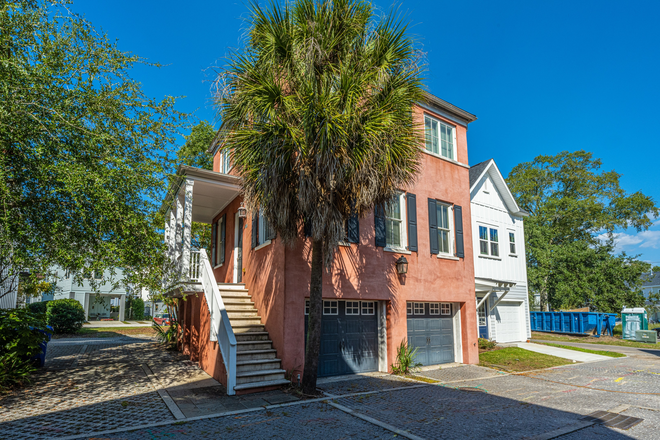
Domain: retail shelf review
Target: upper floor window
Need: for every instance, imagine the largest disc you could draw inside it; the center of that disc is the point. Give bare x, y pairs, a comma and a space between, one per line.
440, 137
488, 241
225, 161
220, 237
445, 234
262, 231
512, 243
394, 223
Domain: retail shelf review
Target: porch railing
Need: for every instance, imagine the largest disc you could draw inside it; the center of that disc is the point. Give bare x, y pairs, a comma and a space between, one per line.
220, 328
194, 271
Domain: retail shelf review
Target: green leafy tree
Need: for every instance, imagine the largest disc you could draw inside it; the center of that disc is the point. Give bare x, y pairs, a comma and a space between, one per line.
195, 153
316, 111
83, 150
575, 209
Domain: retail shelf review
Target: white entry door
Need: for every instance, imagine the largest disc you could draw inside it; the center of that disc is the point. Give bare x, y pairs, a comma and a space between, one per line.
508, 316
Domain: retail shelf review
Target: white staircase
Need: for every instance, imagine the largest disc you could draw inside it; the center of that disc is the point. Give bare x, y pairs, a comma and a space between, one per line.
257, 365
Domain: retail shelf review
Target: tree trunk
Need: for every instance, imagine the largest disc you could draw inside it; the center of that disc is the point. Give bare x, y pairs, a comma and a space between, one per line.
314, 320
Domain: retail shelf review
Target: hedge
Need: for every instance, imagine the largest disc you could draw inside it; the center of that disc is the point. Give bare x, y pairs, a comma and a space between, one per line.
65, 315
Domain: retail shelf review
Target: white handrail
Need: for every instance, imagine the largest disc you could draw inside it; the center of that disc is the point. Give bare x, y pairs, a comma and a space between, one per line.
220, 328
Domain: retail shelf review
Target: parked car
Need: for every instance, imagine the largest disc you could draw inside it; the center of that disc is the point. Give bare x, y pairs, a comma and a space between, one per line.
162, 319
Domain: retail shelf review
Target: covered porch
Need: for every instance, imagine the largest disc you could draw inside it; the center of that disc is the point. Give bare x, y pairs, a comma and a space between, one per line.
489, 294
197, 195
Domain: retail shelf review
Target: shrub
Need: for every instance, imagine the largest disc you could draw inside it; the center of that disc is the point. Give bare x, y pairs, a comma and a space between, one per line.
38, 308
138, 309
169, 337
485, 344
405, 359
65, 315
19, 341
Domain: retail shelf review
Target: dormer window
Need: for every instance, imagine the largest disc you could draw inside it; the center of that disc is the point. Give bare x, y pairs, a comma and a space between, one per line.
440, 137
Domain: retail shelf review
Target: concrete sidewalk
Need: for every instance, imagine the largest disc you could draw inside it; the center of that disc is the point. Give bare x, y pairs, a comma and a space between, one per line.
118, 324
650, 352
573, 355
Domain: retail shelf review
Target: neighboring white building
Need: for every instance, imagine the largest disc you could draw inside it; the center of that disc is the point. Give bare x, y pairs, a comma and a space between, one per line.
500, 269
8, 289
652, 285
95, 301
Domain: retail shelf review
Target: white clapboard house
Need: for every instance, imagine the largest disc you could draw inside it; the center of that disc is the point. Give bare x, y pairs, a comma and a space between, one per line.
499, 257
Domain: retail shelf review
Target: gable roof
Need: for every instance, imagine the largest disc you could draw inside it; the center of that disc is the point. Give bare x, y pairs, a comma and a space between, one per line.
652, 279
490, 167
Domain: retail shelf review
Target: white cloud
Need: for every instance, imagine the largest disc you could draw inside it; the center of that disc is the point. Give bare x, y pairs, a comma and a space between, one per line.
644, 239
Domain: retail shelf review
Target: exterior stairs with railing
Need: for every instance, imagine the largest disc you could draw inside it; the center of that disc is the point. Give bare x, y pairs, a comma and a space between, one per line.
257, 365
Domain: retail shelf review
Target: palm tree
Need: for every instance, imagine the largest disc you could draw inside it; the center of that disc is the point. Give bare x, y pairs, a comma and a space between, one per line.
317, 111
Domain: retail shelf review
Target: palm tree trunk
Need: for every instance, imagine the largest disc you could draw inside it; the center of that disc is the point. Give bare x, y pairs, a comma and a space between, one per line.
314, 320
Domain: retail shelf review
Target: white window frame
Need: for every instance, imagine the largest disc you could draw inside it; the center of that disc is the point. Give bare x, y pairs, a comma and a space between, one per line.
450, 231
445, 309
453, 137
218, 240
225, 162
434, 308
409, 308
488, 241
481, 314
353, 306
416, 308
512, 234
368, 307
403, 231
328, 304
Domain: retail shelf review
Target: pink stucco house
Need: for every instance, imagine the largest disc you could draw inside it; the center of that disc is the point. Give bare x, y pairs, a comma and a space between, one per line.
244, 317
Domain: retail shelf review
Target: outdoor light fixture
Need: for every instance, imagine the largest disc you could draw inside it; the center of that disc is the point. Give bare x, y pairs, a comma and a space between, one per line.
242, 211
402, 265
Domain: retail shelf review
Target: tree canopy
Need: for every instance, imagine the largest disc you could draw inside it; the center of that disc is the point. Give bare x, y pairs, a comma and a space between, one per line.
317, 112
575, 208
83, 150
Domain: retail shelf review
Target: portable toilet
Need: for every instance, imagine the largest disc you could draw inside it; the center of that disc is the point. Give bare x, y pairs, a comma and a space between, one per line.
633, 319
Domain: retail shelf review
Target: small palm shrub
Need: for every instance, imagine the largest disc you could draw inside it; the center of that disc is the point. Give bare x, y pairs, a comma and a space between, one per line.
485, 344
405, 359
65, 315
167, 337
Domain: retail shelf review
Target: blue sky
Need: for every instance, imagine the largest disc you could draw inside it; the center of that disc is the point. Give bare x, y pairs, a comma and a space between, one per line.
542, 77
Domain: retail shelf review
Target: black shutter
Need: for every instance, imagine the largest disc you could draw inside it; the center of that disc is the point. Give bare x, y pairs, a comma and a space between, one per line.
458, 224
412, 221
223, 236
379, 224
433, 227
213, 244
255, 229
270, 234
308, 228
353, 226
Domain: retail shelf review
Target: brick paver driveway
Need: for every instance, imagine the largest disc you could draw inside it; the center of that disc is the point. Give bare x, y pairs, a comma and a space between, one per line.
462, 402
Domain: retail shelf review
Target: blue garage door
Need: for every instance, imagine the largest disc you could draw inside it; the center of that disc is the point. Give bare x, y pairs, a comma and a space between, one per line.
431, 331
349, 337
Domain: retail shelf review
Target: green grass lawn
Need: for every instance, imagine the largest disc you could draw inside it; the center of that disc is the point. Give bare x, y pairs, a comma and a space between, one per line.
585, 350
518, 359
109, 332
603, 340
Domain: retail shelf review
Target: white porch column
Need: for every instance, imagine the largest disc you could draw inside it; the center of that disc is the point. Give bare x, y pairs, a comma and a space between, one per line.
177, 238
86, 305
122, 304
172, 236
187, 225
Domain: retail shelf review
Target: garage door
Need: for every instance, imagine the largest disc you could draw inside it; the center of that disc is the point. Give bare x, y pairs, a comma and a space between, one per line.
349, 337
431, 331
508, 318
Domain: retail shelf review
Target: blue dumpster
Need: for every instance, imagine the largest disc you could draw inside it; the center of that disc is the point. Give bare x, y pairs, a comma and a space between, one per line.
577, 323
40, 357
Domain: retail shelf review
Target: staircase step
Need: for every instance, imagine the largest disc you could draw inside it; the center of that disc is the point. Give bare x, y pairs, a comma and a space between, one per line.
255, 354
258, 364
233, 306
238, 293
231, 286
235, 299
247, 327
243, 314
263, 384
244, 320
253, 345
251, 336
259, 376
